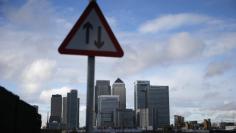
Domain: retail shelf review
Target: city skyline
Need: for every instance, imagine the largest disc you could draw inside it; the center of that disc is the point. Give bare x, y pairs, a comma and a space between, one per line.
151, 110
111, 117
155, 97
188, 46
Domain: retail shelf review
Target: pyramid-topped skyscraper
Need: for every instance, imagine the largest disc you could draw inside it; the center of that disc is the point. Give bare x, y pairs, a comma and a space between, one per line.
118, 88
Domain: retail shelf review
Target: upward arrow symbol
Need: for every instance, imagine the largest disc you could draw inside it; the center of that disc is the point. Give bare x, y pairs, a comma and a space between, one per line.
87, 26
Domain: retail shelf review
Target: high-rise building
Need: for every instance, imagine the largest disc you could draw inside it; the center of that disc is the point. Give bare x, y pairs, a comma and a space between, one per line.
118, 88
107, 106
155, 100
64, 111
158, 105
140, 94
102, 87
140, 102
72, 110
56, 108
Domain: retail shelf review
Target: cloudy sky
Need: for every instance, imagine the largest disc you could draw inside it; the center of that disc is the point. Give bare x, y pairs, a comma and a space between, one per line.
188, 45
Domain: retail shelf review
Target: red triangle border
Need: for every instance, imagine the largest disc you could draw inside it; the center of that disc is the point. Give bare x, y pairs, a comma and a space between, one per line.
92, 5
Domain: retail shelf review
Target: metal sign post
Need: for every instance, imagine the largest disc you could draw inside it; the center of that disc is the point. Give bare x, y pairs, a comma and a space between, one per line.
90, 94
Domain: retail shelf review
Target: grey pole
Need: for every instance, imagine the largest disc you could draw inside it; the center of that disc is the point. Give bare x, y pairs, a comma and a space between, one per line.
90, 94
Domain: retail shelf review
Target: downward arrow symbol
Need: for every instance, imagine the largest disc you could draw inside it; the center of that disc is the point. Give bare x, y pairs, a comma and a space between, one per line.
99, 43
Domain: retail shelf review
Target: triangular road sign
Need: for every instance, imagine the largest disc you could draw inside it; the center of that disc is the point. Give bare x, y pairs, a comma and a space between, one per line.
91, 35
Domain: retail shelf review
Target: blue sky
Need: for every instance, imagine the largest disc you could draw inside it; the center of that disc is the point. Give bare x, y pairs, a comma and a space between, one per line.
189, 45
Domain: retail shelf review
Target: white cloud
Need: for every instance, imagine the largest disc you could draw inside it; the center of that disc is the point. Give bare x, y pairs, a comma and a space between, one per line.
69, 75
228, 116
9, 65
183, 45
39, 70
27, 35
46, 95
172, 21
178, 48
36, 16
218, 68
33, 13
224, 106
36, 74
221, 44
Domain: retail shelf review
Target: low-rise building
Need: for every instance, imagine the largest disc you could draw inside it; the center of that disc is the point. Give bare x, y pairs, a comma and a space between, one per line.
224, 124
207, 124
179, 121
191, 125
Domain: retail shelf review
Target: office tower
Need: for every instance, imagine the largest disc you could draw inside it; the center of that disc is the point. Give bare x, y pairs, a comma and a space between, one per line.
140, 94
179, 121
124, 118
155, 100
64, 111
158, 106
72, 110
56, 108
102, 87
140, 102
107, 106
118, 88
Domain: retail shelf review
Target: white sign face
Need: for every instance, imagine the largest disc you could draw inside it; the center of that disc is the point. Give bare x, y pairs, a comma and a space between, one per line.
91, 35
